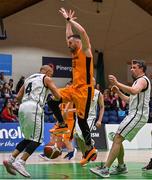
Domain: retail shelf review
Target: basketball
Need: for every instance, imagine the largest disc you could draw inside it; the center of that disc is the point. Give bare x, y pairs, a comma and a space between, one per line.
52, 152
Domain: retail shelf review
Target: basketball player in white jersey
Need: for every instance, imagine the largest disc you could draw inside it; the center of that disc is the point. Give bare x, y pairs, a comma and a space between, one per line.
33, 95
137, 117
97, 102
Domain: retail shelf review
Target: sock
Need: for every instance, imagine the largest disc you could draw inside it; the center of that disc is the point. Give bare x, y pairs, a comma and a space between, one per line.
121, 165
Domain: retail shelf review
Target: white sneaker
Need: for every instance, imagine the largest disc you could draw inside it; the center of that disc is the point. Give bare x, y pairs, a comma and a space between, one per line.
9, 168
119, 170
102, 172
19, 166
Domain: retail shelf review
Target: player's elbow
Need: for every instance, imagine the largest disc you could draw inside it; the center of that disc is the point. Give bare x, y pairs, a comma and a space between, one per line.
82, 32
134, 91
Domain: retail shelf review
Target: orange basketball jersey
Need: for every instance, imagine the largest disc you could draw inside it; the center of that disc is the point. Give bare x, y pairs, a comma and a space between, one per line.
82, 69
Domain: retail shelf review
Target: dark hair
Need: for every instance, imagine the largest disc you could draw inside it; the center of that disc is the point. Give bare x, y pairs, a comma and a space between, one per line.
141, 64
76, 36
11, 80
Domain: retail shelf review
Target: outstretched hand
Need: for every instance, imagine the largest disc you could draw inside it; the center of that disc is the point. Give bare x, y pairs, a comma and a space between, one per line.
67, 14
64, 13
112, 79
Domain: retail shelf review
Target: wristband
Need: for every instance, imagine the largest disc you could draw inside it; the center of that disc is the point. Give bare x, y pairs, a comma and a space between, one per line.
68, 19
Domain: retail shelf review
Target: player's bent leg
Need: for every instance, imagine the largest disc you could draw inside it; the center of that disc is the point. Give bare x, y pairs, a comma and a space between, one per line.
91, 152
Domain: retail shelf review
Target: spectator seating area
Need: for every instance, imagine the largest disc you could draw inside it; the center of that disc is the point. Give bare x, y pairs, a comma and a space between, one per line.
114, 117
115, 108
110, 116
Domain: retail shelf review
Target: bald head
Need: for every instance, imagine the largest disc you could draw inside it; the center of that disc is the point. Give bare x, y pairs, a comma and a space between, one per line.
46, 69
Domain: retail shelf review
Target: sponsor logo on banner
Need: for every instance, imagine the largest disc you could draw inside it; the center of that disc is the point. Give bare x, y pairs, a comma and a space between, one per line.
98, 135
11, 135
94, 131
62, 66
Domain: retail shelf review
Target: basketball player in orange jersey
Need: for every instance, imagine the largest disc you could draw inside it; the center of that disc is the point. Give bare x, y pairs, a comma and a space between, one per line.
81, 91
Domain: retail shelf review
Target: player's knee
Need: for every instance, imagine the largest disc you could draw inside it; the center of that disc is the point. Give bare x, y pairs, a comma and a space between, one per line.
118, 138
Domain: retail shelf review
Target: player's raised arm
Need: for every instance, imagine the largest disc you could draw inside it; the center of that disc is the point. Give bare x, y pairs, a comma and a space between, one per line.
86, 46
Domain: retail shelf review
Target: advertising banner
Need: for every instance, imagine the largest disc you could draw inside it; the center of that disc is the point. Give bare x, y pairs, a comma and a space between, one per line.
99, 136
6, 64
11, 135
62, 66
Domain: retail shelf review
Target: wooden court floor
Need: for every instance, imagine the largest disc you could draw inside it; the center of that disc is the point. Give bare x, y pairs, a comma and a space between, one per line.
71, 169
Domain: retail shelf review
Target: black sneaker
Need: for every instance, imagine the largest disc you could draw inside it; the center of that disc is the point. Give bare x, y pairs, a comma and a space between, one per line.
148, 167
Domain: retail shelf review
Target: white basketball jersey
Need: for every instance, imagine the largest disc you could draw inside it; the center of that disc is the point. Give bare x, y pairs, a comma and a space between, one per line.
94, 104
139, 103
35, 89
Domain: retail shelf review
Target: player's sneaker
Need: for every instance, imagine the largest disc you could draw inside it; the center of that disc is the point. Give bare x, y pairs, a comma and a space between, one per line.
101, 171
89, 155
19, 166
148, 167
71, 155
60, 128
119, 170
9, 168
92, 159
44, 157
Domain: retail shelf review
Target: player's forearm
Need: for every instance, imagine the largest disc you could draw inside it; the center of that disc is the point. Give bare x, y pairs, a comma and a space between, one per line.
127, 89
101, 112
77, 27
69, 31
123, 96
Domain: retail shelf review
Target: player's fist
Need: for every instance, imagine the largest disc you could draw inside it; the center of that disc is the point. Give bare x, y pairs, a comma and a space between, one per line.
112, 79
